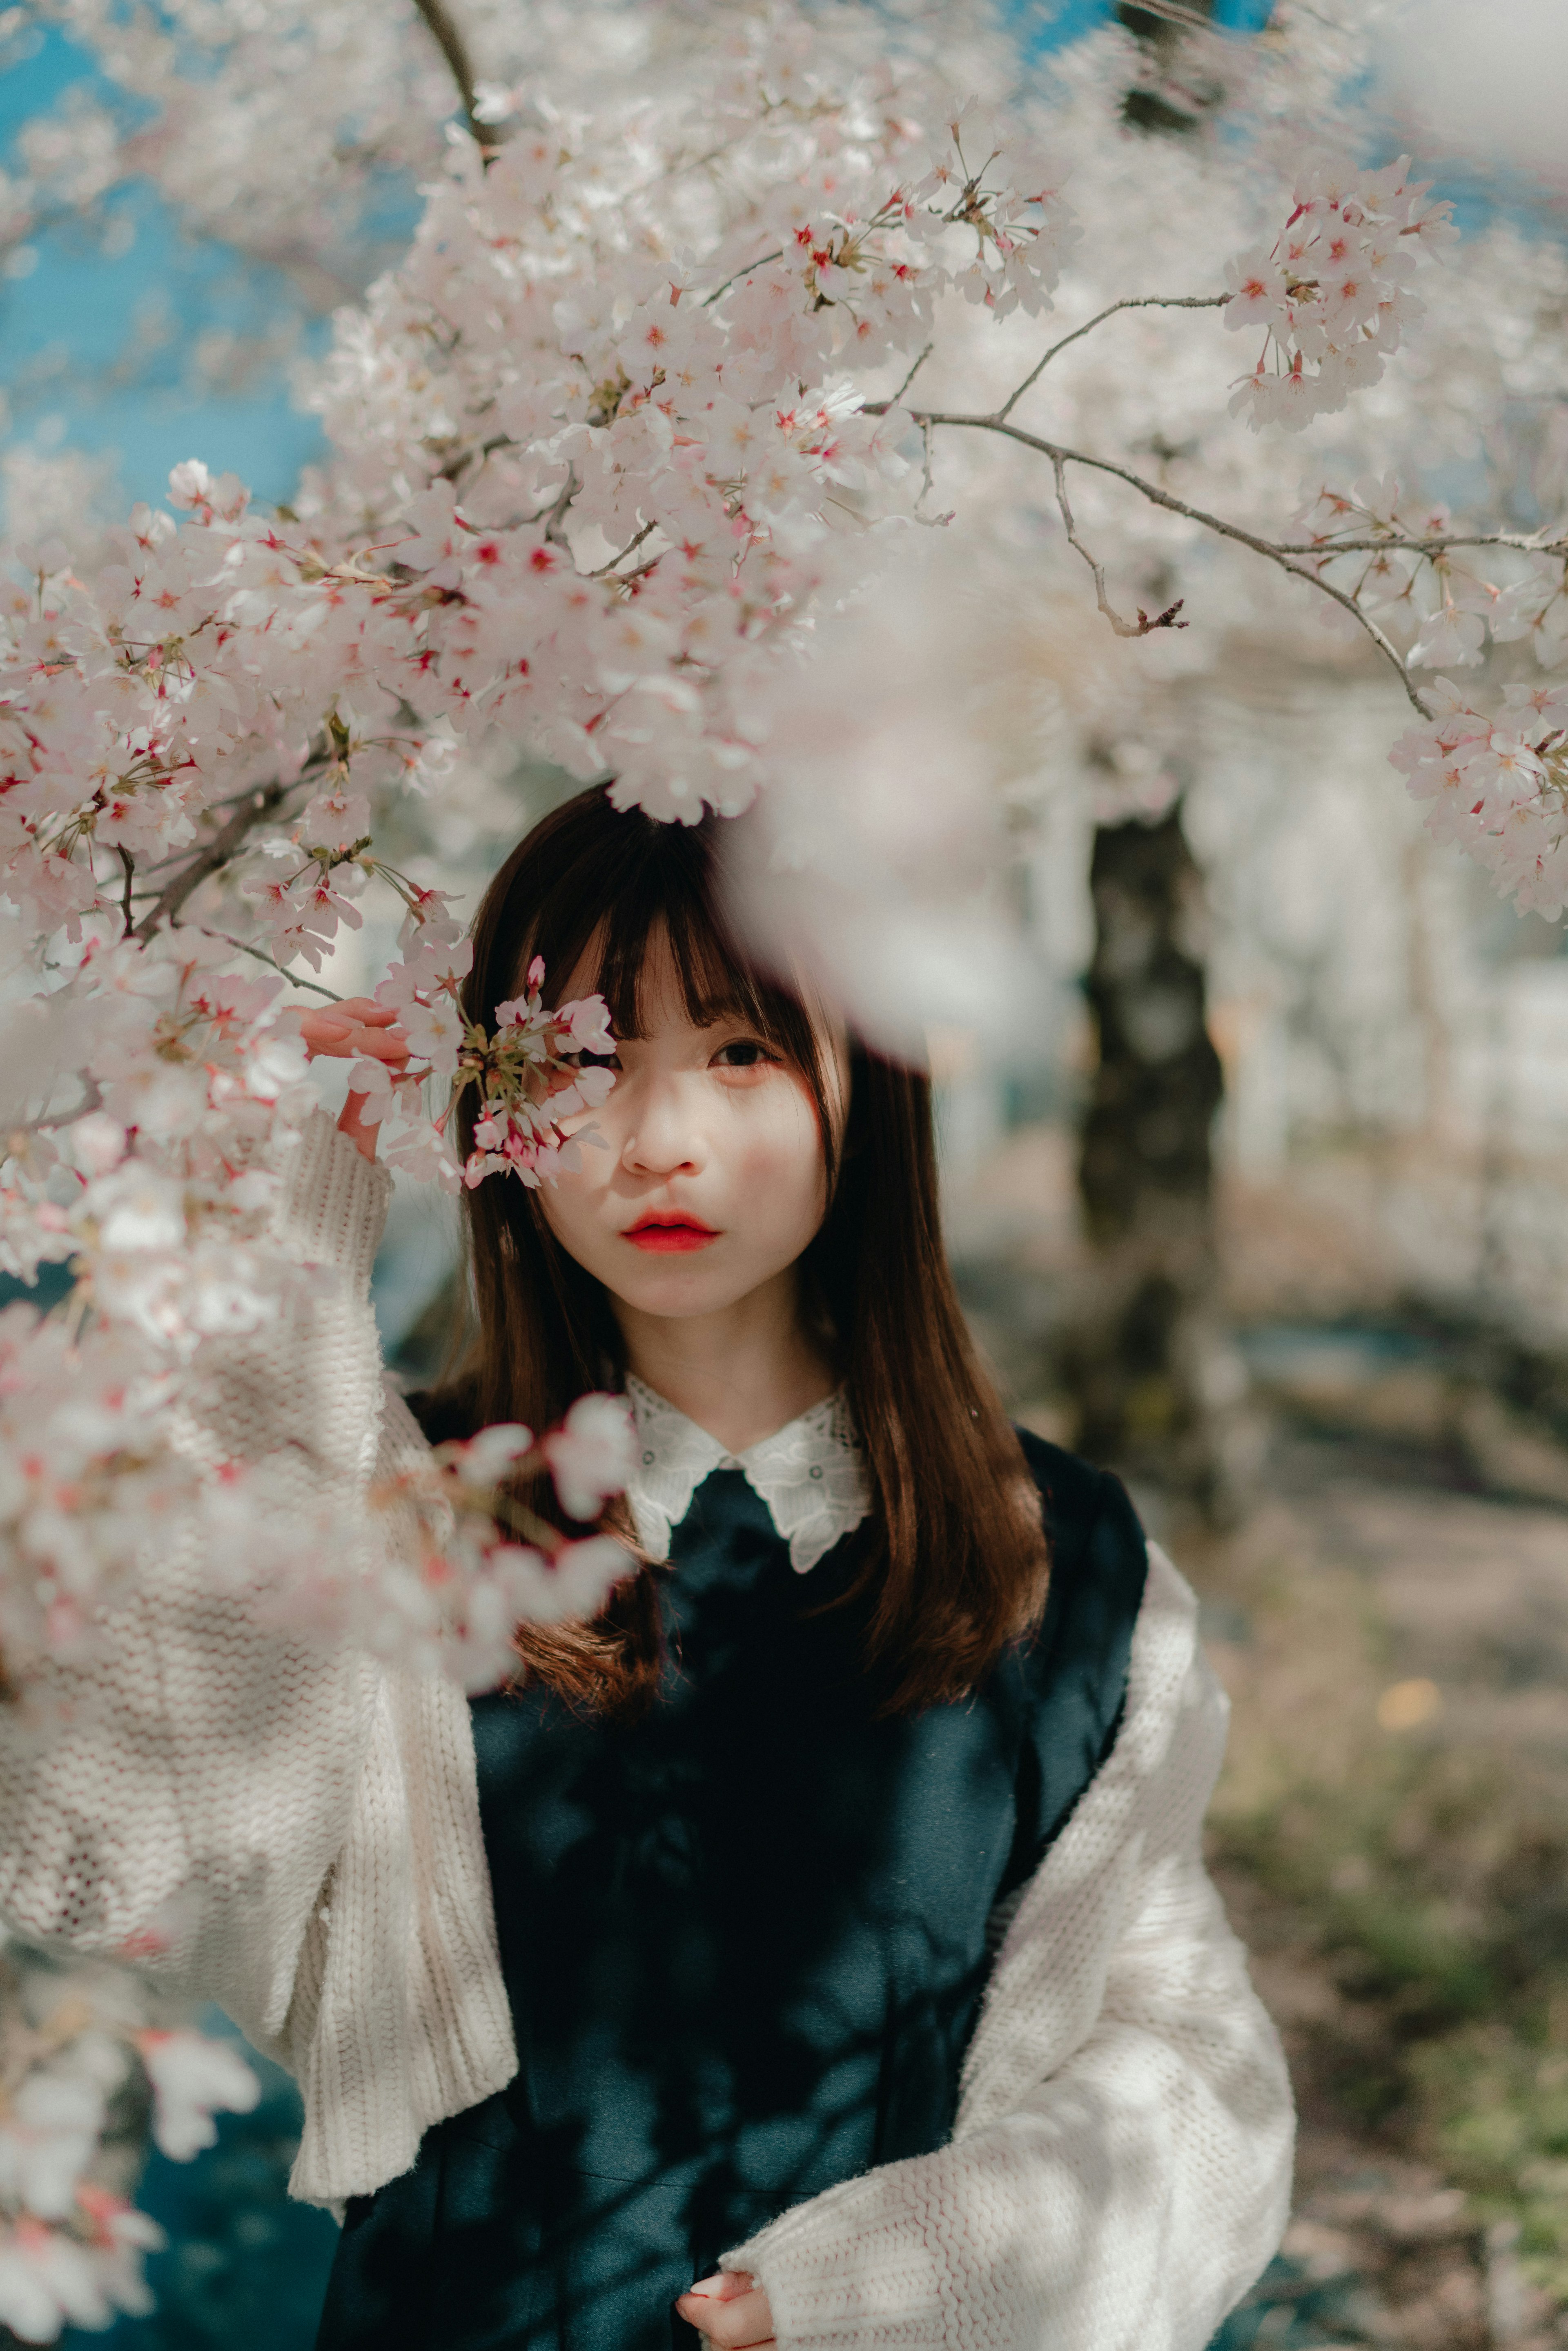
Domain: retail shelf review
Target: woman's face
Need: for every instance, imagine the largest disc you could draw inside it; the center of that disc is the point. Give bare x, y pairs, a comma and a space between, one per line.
713, 1181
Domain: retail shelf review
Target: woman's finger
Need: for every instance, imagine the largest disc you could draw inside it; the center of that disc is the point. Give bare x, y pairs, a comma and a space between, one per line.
346, 1039
737, 2321
325, 1032
383, 1044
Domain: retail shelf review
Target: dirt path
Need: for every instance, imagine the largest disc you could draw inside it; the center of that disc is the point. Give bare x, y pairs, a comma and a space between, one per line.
1391, 1834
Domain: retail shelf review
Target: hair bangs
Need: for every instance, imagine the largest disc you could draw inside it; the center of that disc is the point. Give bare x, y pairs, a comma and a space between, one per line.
596, 930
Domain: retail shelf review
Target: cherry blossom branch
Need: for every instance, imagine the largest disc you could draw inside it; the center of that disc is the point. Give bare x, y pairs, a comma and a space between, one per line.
224, 844
129, 864
246, 947
1133, 302
1143, 626
709, 299
557, 516
1157, 496
1522, 543
607, 571
455, 49
914, 371
92, 1099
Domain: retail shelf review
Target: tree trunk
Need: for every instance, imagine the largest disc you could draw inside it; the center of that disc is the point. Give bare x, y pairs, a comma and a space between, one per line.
1145, 1361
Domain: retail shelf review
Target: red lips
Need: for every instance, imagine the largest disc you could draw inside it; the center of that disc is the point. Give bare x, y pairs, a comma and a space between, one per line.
668, 1233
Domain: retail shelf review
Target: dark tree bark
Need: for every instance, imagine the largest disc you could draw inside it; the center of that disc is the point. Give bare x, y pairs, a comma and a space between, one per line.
1144, 1363
1154, 1383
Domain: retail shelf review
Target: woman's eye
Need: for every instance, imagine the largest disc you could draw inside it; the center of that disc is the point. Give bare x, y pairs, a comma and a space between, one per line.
576, 1061
742, 1053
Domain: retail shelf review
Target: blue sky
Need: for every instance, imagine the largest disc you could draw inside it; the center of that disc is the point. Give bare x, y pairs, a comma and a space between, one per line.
67, 326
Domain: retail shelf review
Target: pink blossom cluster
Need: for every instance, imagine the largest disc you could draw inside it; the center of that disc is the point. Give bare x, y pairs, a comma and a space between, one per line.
71, 2246
531, 1079
529, 1071
1331, 296
1444, 600
167, 1084
484, 1561
649, 456
602, 453
1496, 782
1494, 777
85, 1458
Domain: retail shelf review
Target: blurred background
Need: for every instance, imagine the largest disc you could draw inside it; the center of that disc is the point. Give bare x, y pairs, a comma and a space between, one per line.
1261, 1192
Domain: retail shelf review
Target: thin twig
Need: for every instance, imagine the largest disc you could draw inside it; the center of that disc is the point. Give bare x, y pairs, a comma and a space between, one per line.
129, 863
1143, 626
709, 299
92, 1099
486, 449
568, 490
1157, 496
1134, 302
1522, 543
914, 371
631, 546
261, 955
455, 49
224, 844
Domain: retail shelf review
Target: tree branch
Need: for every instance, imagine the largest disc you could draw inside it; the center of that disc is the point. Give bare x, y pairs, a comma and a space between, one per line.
608, 570
1522, 543
129, 863
247, 947
1157, 496
1134, 302
455, 49
557, 516
914, 371
228, 837
709, 299
1143, 626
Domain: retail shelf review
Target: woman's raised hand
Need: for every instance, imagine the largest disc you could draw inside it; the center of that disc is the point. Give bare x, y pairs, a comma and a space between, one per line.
731, 2310
359, 1029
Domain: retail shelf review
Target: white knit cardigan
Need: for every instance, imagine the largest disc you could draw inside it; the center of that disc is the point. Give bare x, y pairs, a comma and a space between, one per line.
293, 1831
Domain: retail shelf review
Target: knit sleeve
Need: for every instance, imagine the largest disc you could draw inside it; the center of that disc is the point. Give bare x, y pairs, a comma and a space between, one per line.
189, 1801
1120, 2170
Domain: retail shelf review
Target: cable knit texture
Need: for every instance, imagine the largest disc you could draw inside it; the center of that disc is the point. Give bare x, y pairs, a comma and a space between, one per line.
299, 1829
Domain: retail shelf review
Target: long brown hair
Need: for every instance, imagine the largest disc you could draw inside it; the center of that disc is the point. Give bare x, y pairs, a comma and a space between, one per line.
953, 1561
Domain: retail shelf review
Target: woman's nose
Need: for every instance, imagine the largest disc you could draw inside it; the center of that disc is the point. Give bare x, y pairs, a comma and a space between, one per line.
662, 1138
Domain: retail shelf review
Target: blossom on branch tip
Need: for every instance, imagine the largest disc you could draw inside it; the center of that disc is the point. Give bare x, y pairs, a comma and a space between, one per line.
1331, 296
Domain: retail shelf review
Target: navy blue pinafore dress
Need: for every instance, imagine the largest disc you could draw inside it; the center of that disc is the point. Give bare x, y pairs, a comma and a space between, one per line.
744, 1939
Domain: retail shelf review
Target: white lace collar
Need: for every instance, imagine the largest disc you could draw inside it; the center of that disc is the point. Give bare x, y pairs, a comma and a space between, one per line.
811, 1475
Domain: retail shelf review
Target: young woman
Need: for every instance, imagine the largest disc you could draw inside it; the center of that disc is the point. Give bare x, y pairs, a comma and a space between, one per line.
813, 1950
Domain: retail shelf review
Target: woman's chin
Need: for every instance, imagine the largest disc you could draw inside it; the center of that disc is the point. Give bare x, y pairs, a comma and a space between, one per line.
677, 1287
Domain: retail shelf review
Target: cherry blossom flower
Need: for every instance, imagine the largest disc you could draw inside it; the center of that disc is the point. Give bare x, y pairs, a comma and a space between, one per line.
592, 1455
1331, 296
48, 2137
193, 2077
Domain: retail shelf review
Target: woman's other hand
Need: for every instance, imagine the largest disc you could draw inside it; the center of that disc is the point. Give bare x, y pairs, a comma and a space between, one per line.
730, 2308
359, 1029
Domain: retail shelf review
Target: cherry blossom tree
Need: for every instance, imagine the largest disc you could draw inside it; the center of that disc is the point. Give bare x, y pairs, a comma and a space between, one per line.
683, 353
